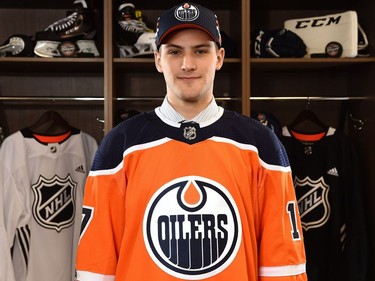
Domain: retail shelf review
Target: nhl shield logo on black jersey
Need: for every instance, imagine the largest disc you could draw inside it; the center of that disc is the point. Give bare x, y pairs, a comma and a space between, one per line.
54, 202
190, 133
192, 228
313, 203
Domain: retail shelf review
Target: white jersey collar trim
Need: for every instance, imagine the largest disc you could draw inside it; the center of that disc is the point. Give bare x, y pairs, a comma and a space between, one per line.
171, 117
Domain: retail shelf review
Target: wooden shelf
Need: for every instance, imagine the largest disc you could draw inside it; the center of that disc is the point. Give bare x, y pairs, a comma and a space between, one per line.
306, 63
42, 4
36, 64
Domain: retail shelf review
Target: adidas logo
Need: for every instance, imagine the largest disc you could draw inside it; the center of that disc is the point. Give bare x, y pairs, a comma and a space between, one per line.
80, 169
333, 172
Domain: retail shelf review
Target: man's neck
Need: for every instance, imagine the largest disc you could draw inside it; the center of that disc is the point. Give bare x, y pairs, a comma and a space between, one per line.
189, 109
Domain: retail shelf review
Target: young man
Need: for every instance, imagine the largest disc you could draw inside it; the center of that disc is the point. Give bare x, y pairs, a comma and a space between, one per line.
189, 190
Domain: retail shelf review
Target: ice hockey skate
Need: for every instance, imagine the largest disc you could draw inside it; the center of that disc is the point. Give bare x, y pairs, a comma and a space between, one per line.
71, 36
17, 45
133, 37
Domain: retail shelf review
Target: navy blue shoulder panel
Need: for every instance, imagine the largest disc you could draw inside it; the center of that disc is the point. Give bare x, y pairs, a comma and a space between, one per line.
147, 127
132, 131
246, 130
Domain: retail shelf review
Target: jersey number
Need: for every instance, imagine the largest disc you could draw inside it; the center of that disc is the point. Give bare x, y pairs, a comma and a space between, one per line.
291, 209
87, 213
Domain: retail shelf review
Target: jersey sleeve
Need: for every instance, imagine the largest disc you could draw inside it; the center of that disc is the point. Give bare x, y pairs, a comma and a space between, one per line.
6, 268
13, 213
102, 224
281, 246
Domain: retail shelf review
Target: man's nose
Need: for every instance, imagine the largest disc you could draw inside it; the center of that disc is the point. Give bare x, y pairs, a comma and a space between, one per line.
188, 63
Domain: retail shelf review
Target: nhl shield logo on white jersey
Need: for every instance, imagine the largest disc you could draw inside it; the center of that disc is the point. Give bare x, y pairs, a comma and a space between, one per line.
192, 228
54, 202
313, 203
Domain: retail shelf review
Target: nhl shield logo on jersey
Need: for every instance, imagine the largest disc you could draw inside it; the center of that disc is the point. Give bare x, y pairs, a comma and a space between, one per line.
190, 133
54, 202
313, 203
192, 228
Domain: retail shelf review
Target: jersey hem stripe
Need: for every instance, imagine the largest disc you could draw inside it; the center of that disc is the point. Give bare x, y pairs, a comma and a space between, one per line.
90, 276
288, 270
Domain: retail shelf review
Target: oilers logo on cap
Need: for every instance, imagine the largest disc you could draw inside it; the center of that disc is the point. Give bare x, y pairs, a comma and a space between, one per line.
187, 15
187, 12
192, 228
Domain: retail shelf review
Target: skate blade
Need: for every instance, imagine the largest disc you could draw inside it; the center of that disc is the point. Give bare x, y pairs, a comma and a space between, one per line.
47, 49
87, 48
51, 49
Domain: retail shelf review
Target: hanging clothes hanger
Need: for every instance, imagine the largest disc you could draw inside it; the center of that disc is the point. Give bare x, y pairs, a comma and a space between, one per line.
357, 123
307, 122
51, 123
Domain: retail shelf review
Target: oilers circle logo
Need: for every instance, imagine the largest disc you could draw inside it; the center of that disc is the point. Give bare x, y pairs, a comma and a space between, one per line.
186, 12
192, 228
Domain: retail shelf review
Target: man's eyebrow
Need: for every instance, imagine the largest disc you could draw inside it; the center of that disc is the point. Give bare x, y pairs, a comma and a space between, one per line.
204, 45
173, 46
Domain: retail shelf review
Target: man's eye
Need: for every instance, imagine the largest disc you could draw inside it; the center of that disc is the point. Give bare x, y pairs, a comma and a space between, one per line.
173, 52
201, 51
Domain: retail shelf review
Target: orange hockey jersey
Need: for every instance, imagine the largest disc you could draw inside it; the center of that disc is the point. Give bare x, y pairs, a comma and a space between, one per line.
167, 201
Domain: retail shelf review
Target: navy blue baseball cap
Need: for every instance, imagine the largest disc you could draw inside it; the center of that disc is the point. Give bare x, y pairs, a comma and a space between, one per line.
187, 15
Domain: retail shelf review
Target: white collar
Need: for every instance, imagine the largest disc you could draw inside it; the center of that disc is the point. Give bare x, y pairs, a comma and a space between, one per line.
209, 115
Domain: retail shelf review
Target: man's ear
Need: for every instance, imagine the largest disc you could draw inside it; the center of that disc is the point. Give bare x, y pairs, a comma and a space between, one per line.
220, 58
157, 61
